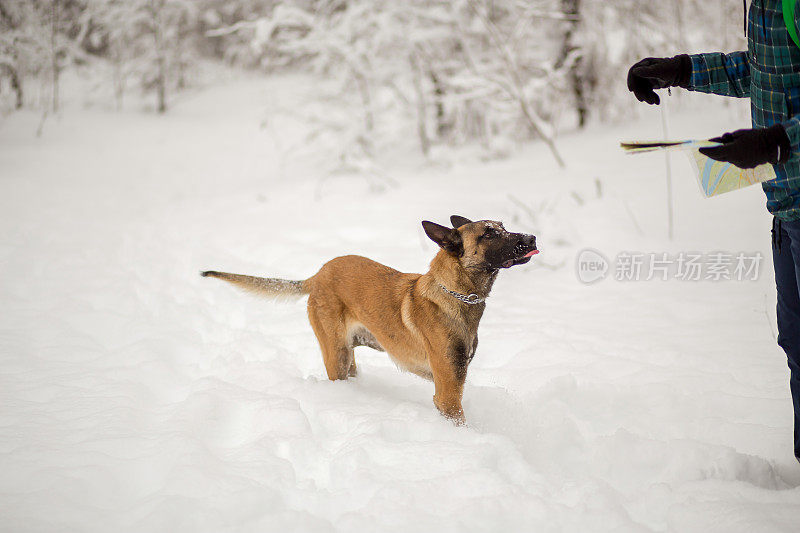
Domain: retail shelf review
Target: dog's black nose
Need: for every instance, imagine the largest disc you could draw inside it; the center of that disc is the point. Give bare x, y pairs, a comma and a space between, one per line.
529, 240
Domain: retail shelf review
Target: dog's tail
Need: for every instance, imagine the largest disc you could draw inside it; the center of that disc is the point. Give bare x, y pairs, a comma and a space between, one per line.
270, 287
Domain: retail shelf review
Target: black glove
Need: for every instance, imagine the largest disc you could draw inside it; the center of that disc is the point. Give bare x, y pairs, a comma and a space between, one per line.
658, 73
750, 148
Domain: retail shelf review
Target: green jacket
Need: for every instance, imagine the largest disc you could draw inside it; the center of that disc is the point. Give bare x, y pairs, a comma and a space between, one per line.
769, 74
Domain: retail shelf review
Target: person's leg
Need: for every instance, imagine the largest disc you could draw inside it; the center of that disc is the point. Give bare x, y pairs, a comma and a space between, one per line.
786, 258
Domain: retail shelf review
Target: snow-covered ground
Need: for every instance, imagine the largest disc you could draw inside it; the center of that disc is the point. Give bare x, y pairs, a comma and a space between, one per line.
137, 396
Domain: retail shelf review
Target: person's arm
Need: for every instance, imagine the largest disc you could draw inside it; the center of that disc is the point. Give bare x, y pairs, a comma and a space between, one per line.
716, 73
723, 74
729, 75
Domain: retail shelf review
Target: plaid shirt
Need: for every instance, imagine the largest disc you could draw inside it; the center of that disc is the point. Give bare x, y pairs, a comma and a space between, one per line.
768, 73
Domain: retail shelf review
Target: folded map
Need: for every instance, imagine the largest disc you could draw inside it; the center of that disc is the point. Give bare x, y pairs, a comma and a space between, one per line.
714, 177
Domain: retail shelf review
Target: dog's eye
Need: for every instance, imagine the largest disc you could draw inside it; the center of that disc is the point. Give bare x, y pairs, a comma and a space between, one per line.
490, 233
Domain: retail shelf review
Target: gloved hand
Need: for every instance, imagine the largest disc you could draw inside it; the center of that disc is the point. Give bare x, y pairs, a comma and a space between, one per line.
658, 73
750, 148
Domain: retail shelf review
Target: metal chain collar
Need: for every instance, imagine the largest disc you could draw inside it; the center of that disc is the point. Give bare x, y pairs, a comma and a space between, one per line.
469, 299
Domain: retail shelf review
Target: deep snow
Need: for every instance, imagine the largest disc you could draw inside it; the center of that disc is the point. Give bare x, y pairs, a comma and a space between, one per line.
137, 396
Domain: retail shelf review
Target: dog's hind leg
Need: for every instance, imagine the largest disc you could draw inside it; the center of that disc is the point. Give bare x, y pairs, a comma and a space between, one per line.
331, 332
353, 371
339, 361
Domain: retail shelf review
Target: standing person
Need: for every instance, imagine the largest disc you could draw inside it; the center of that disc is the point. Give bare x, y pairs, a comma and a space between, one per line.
769, 74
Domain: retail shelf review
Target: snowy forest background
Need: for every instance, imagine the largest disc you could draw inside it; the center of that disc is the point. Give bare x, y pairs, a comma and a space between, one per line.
442, 72
142, 141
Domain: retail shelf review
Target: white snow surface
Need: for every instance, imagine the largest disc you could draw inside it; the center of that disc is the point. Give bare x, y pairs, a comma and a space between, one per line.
137, 396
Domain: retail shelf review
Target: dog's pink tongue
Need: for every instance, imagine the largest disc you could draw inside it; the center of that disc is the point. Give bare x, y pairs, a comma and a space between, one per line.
532, 253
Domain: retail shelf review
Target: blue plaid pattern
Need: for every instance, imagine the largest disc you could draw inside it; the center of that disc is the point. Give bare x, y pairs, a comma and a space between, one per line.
769, 74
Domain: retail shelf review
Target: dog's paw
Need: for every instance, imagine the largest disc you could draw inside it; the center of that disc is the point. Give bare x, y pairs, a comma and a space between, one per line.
459, 420
450, 412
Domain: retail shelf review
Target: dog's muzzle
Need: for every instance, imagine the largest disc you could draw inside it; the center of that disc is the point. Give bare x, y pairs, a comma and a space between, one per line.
522, 252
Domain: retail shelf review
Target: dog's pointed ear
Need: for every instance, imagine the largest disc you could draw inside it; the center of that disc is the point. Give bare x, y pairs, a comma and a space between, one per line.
448, 239
458, 221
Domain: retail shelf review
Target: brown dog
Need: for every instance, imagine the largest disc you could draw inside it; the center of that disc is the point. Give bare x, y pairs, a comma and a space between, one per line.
427, 323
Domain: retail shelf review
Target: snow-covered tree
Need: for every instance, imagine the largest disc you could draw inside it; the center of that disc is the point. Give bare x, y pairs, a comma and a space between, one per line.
33, 43
446, 71
146, 40
10, 52
471, 69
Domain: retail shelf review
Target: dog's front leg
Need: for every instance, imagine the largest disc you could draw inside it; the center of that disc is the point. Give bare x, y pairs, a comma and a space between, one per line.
449, 367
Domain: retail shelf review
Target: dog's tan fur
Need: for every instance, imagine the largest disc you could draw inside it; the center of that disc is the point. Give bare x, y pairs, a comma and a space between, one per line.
354, 301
